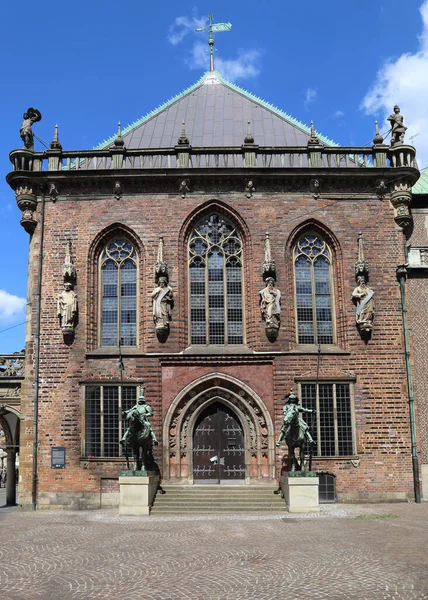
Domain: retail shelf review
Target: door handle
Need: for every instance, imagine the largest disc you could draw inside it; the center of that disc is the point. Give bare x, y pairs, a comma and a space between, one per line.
222, 461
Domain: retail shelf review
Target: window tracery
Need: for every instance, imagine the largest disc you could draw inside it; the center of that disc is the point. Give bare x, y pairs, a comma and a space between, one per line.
313, 290
118, 267
215, 275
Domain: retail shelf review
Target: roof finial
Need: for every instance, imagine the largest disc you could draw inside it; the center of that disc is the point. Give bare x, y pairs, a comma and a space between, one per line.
314, 138
213, 27
183, 140
55, 145
119, 139
378, 139
249, 139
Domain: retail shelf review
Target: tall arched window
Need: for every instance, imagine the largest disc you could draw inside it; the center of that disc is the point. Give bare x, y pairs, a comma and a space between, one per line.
118, 277
313, 288
215, 273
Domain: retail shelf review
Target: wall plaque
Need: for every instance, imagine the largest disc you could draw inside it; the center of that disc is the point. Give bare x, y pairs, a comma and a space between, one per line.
58, 457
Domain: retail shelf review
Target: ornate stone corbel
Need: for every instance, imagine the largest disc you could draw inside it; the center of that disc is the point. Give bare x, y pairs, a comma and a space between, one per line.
67, 304
184, 187
26, 200
362, 296
270, 296
162, 297
401, 198
53, 192
118, 189
249, 188
381, 189
315, 188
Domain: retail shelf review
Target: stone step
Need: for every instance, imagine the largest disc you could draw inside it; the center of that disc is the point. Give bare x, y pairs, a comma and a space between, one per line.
215, 500
174, 510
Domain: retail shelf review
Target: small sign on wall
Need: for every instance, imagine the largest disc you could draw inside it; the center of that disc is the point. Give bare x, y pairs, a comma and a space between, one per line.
58, 457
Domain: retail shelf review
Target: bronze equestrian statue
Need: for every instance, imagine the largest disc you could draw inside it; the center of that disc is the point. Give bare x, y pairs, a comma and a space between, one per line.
139, 435
295, 432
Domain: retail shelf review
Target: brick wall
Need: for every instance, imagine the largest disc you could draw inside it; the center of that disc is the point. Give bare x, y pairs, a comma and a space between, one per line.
383, 436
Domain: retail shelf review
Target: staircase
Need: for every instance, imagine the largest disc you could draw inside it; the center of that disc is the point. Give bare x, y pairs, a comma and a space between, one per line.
215, 499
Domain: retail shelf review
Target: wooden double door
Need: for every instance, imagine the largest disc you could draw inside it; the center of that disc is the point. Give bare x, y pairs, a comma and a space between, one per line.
218, 446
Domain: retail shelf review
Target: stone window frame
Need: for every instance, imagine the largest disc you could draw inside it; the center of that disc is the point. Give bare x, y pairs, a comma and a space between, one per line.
96, 248
84, 387
100, 292
353, 429
205, 215
331, 257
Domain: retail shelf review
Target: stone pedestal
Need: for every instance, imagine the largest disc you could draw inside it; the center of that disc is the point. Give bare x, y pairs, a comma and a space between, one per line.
137, 492
301, 493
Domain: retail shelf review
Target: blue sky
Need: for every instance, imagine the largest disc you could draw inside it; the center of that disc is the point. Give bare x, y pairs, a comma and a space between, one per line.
88, 65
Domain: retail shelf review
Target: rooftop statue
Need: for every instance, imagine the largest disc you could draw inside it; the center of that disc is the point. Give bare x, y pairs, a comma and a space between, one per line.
397, 126
27, 136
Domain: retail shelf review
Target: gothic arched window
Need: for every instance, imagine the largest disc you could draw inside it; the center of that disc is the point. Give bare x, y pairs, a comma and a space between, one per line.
313, 288
215, 273
118, 277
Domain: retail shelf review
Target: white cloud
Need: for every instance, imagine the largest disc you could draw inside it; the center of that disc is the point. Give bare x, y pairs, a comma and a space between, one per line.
311, 95
11, 306
339, 113
184, 25
404, 81
246, 65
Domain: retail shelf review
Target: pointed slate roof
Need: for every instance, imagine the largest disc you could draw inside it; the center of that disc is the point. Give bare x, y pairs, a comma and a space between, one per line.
216, 113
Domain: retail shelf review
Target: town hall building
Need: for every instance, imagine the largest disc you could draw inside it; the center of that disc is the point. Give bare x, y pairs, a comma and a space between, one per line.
215, 255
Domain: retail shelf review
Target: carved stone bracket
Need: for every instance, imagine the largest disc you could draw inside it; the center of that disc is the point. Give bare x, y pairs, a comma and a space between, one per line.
118, 189
401, 199
184, 187
26, 200
249, 188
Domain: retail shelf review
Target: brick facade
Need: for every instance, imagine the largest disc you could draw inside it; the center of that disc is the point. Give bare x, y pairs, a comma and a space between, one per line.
381, 468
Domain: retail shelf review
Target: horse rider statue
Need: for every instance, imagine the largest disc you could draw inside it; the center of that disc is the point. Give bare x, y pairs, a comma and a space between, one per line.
292, 400
144, 411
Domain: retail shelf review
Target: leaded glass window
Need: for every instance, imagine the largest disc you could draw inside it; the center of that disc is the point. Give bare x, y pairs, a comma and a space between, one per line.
215, 273
332, 428
312, 269
104, 422
119, 294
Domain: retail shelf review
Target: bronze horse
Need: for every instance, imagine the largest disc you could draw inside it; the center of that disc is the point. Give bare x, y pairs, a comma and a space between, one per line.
140, 441
295, 438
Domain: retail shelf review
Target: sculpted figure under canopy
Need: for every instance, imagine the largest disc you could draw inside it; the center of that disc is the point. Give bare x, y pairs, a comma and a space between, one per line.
163, 303
270, 304
67, 306
362, 296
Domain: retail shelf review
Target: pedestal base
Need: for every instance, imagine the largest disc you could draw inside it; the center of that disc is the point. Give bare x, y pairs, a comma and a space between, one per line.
301, 493
137, 493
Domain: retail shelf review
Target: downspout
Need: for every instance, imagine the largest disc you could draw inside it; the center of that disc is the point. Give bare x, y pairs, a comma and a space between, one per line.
37, 357
402, 271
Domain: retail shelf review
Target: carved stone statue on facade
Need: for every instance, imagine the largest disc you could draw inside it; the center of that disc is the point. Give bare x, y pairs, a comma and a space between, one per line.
363, 295
163, 303
270, 307
30, 117
139, 435
295, 431
397, 126
67, 309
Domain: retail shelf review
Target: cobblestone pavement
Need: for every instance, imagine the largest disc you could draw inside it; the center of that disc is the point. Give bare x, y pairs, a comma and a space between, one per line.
348, 552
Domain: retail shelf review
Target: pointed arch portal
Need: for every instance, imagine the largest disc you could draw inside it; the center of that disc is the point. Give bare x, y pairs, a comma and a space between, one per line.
218, 430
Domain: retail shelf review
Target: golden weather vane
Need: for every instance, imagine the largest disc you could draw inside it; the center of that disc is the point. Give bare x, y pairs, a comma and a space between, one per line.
211, 28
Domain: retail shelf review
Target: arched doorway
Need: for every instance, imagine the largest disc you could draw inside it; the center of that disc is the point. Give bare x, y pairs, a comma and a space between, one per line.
237, 400
9, 424
218, 446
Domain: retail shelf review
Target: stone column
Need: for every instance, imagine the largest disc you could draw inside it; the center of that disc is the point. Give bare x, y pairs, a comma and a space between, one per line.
11, 478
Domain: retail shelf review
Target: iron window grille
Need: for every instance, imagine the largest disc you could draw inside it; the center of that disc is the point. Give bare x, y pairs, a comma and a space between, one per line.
104, 424
118, 279
215, 283
313, 290
333, 428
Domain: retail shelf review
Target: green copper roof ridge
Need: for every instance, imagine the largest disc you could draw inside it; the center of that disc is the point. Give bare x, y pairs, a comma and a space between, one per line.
152, 113
274, 109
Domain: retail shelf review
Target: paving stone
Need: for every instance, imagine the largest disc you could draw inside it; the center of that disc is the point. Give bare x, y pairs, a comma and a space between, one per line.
346, 553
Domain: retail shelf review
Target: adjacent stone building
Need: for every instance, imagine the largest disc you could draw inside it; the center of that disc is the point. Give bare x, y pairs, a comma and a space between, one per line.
217, 253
